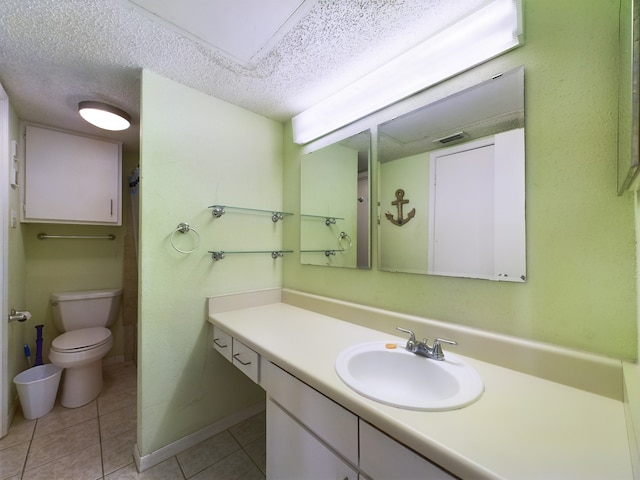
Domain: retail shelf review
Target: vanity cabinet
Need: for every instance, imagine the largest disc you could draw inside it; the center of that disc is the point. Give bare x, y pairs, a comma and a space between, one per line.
310, 436
70, 178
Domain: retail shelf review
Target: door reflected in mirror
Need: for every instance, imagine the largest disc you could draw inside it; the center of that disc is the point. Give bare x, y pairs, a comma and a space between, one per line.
334, 204
452, 185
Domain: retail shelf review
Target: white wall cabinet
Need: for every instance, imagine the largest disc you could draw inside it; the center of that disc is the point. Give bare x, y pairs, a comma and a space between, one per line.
70, 178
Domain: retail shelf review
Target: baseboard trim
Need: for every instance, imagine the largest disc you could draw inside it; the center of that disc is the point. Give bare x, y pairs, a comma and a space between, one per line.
154, 458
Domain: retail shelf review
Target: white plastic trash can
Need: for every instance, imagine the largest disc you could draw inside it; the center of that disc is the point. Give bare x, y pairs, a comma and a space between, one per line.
37, 389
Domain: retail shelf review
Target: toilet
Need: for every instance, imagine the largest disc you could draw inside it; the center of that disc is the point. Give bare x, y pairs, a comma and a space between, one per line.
84, 318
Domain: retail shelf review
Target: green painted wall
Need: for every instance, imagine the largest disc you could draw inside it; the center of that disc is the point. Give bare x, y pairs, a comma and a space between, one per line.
581, 289
197, 151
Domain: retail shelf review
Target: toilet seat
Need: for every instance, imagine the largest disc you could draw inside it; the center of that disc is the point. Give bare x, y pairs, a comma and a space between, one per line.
81, 340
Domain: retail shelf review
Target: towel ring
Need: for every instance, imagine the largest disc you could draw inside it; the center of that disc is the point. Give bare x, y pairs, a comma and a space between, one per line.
185, 228
344, 235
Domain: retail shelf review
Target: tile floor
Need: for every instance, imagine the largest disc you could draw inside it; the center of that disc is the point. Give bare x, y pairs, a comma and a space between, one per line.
96, 442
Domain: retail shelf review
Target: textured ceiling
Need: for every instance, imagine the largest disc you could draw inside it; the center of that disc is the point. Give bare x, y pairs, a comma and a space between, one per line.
55, 53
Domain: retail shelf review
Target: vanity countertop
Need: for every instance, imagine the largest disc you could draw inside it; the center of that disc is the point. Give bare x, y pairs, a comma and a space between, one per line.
523, 427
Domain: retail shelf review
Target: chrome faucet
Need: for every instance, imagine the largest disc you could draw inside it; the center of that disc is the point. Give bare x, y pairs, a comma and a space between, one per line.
422, 348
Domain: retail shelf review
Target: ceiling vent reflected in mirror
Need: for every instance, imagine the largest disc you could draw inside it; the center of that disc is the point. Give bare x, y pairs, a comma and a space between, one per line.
451, 138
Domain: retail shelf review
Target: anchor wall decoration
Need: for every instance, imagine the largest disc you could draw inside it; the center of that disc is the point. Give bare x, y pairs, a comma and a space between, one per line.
399, 202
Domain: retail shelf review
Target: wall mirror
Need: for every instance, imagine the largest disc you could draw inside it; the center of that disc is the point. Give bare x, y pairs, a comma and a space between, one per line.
334, 204
452, 185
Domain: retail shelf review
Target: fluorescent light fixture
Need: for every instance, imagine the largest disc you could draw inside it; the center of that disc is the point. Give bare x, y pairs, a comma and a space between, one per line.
487, 32
104, 116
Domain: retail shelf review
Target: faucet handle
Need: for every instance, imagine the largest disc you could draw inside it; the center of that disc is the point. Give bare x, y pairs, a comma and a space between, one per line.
412, 338
405, 330
438, 354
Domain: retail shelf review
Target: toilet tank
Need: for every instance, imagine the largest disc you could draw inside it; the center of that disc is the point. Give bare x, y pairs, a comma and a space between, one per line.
90, 308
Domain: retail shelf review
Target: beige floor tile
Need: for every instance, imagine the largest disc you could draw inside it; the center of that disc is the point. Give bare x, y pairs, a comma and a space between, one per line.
55, 445
61, 417
117, 422
85, 464
206, 453
251, 429
237, 466
116, 400
167, 470
20, 431
257, 450
12, 460
119, 376
117, 452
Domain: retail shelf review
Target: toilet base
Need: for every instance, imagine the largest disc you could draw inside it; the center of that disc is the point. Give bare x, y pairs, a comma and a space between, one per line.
81, 385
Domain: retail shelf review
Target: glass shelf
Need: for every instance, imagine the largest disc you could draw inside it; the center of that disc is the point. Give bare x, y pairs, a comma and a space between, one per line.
327, 252
328, 220
220, 254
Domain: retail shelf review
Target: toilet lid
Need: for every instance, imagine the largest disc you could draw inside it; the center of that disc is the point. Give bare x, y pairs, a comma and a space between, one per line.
78, 339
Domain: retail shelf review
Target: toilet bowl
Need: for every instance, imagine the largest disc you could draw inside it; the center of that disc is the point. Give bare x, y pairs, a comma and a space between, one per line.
84, 317
80, 353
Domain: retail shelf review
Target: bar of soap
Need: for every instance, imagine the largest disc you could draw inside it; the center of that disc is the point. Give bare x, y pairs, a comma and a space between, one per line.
390, 346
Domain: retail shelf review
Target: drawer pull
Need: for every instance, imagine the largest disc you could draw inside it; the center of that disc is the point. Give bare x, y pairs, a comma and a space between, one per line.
237, 357
216, 341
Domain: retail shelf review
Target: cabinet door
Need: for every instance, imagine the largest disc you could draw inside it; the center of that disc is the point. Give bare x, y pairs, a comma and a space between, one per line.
293, 453
70, 178
331, 423
382, 458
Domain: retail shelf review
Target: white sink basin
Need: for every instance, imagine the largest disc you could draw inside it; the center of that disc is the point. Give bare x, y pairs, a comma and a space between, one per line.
387, 373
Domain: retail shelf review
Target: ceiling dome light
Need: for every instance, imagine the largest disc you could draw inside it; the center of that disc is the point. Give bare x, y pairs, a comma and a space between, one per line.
104, 116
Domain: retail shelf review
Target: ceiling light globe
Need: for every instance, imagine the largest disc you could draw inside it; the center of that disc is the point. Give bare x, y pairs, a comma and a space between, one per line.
104, 116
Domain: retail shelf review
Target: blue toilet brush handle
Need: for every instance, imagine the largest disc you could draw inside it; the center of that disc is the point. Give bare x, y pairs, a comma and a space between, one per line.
27, 353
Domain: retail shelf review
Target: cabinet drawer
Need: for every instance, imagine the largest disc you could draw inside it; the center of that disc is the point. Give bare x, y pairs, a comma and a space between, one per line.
246, 360
222, 342
333, 424
381, 457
